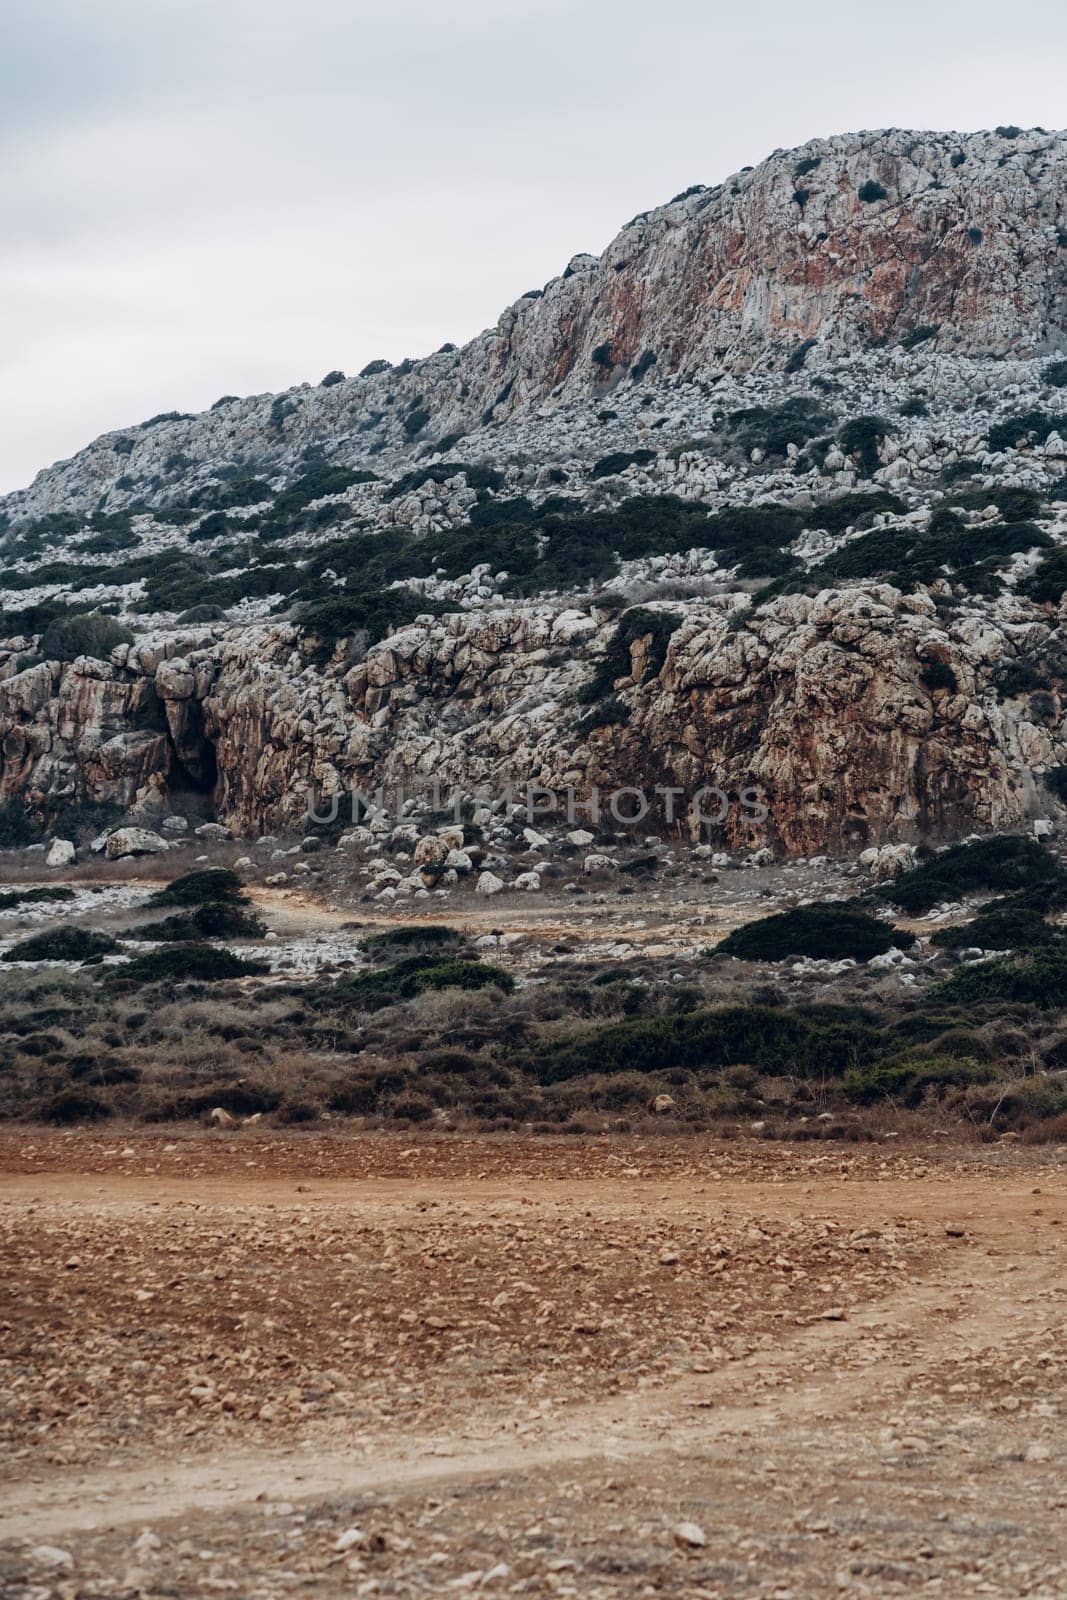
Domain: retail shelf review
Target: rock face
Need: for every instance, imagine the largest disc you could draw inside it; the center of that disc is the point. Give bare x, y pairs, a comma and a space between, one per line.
819, 702
922, 277
854, 241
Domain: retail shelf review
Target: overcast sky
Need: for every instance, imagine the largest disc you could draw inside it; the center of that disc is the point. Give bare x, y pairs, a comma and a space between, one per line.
204, 197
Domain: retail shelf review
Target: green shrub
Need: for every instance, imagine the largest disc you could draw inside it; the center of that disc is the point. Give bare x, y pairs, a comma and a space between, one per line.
1038, 979
62, 944
773, 428
1055, 374
1055, 779
1000, 926
69, 1106
207, 920
1029, 426
797, 359
372, 615
608, 466
417, 974
1004, 861
85, 634
807, 1042
861, 437
411, 935
415, 421
478, 477
208, 885
910, 1080
823, 931
22, 897
1046, 585
205, 963
939, 675
202, 613
638, 623
17, 830
870, 191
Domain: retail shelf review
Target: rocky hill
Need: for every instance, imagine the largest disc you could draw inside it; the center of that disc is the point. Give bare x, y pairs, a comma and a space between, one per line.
772, 493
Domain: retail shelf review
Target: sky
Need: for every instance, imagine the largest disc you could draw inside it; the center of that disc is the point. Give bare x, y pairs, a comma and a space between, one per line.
207, 197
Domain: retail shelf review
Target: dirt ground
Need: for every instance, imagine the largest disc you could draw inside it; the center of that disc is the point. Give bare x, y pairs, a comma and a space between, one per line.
262, 1364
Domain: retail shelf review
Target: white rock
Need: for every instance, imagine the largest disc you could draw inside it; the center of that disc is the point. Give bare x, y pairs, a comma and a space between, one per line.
690, 1535
50, 1555
61, 853
489, 884
134, 842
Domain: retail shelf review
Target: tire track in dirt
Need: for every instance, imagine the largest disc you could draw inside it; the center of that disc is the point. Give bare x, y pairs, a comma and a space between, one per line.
1001, 1279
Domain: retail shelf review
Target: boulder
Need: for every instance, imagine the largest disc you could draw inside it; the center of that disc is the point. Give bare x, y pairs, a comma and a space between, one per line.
134, 842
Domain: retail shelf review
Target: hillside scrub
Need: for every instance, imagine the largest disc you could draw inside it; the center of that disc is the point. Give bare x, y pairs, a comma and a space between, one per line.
63, 944
1036, 979
1004, 861
823, 931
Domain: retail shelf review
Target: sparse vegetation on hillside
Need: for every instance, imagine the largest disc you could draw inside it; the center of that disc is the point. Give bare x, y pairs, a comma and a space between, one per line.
828, 931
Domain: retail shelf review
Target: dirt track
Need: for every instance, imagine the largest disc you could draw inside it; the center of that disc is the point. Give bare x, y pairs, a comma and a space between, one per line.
848, 1369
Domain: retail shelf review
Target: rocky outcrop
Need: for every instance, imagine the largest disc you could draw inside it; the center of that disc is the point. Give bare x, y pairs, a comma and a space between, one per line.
919, 277
852, 242
823, 703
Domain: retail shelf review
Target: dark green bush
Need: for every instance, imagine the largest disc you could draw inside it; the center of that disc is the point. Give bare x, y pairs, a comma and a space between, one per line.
1038, 979
1033, 426
806, 1042
608, 466
1046, 585
17, 830
861, 437
406, 979
68, 1106
411, 936
208, 885
999, 926
1055, 374
21, 897
909, 1081
939, 675
638, 623
370, 614
870, 191
207, 920
1004, 861
62, 944
83, 634
823, 931
773, 428
206, 963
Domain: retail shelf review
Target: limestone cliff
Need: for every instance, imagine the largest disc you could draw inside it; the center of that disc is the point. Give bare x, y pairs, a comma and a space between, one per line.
857, 241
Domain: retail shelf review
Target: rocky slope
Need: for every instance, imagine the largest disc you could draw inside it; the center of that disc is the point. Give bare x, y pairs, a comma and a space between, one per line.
816, 546
855, 242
